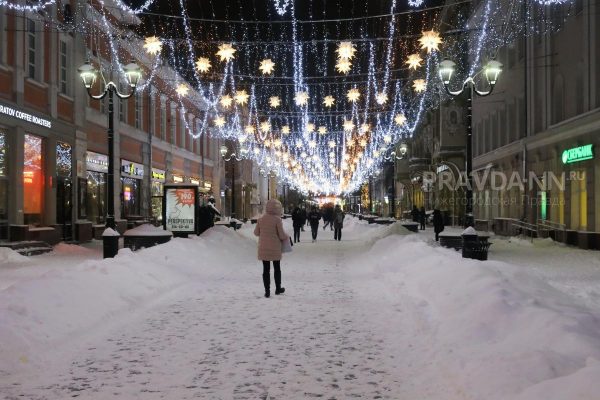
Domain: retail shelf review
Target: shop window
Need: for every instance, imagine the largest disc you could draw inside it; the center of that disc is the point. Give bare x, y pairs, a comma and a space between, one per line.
3, 188
63, 159
130, 197
95, 193
33, 180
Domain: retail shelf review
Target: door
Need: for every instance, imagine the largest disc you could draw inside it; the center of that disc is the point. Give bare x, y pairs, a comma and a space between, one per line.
64, 206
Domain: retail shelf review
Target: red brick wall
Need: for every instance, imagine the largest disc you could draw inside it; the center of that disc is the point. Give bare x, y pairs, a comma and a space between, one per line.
131, 149
36, 97
65, 109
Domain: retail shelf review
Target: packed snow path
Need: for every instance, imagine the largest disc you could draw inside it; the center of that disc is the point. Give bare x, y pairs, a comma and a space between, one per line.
373, 316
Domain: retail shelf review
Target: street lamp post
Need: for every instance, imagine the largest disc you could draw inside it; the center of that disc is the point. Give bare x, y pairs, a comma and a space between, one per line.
88, 75
491, 70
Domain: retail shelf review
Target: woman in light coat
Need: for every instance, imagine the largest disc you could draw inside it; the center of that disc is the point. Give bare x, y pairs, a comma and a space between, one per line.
269, 230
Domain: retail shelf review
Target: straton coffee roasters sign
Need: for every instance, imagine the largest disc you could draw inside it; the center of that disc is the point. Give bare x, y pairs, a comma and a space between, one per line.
11, 112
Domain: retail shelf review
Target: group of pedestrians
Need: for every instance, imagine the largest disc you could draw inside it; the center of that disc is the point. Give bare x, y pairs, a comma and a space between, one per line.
332, 217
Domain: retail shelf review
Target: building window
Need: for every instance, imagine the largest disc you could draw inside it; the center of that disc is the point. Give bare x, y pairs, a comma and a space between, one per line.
63, 72
182, 130
31, 48
33, 180
137, 103
173, 138
163, 122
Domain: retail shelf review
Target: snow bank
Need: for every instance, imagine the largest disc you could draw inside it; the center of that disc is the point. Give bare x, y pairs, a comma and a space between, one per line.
500, 333
9, 256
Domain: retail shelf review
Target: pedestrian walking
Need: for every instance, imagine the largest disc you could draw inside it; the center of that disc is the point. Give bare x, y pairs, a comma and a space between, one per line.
438, 223
422, 216
297, 223
313, 218
338, 222
328, 216
269, 230
415, 214
303, 218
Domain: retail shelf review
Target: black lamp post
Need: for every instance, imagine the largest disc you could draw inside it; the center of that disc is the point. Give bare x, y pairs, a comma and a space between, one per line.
88, 75
491, 70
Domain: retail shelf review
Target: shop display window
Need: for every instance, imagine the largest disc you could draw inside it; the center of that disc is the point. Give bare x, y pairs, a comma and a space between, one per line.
33, 180
130, 197
96, 196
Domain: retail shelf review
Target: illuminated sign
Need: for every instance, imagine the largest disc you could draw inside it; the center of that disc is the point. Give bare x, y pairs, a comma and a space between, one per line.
177, 179
180, 209
158, 175
194, 181
131, 169
577, 154
27, 176
11, 112
442, 168
96, 162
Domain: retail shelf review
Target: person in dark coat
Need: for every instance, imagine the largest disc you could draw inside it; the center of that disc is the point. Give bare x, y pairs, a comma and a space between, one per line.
422, 216
415, 214
438, 223
303, 217
297, 223
338, 222
313, 219
328, 216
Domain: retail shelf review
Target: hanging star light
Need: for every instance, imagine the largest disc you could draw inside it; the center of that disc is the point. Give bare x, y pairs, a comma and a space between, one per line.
419, 85
301, 99
285, 130
348, 125
267, 66
322, 130
277, 142
226, 101
310, 127
226, 52
182, 89
364, 128
430, 40
400, 119
363, 142
346, 50
331, 144
241, 97
274, 101
249, 129
328, 101
265, 126
153, 45
343, 66
353, 95
381, 98
219, 121
387, 139
414, 61
203, 64
312, 144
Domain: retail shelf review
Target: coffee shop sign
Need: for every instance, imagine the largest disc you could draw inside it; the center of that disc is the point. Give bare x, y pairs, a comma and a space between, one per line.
11, 112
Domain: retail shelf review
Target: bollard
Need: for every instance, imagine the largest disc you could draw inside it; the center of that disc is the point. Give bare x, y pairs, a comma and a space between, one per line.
110, 245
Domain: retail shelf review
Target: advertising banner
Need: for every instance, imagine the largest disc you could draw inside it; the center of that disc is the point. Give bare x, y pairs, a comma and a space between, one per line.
179, 210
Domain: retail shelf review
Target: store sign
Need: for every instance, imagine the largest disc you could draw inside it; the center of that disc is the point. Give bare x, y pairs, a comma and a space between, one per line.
194, 181
96, 162
177, 179
11, 112
442, 168
131, 169
180, 209
159, 175
577, 154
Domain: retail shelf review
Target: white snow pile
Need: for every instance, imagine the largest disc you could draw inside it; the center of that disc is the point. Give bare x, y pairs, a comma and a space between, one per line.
9, 256
487, 326
147, 230
41, 315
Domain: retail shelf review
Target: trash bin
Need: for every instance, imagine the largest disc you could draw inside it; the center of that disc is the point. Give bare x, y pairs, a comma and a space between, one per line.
472, 247
110, 243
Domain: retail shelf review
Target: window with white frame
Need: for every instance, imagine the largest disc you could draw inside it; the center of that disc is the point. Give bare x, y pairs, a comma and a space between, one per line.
173, 137
63, 63
137, 103
163, 119
182, 130
31, 48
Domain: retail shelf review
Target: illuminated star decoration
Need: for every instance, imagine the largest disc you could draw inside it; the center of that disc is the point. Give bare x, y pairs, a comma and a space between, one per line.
241, 97
219, 121
328, 101
348, 125
182, 89
203, 64
274, 101
226, 101
381, 98
265, 126
285, 130
310, 127
249, 129
387, 139
226, 52
301, 98
415, 3
153, 45
353, 95
322, 130
400, 119
346, 50
430, 40
331, 144
365, 128
343, 66
266, 66
414, 61
419, 85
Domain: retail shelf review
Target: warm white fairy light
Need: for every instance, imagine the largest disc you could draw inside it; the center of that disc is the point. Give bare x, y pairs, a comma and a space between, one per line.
226, 101
285, 130
301, 98
381, 98
331, 145
153, 45
328, 101
265, 126
249, 129
364, 128
226, 52
267, 66
387, 139
241, 97
346, 50
414, 61
363, 142
219, 121
400, 119
348, 125
274, 101
430, 41
419, 85
310, 127
312, 144
203, 64
322, 130
343, 66
242, 139
182, 89
353, 95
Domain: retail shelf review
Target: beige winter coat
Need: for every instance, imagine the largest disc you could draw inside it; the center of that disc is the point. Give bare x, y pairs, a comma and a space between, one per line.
269, 230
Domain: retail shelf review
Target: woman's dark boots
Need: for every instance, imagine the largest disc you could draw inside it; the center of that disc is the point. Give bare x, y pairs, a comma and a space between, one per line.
267, 283
278, 288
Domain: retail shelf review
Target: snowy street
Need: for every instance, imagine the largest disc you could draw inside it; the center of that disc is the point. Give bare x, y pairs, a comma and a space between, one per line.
381, 314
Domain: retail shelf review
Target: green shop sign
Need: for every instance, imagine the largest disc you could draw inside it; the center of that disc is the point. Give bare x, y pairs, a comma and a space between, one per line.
576, 154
